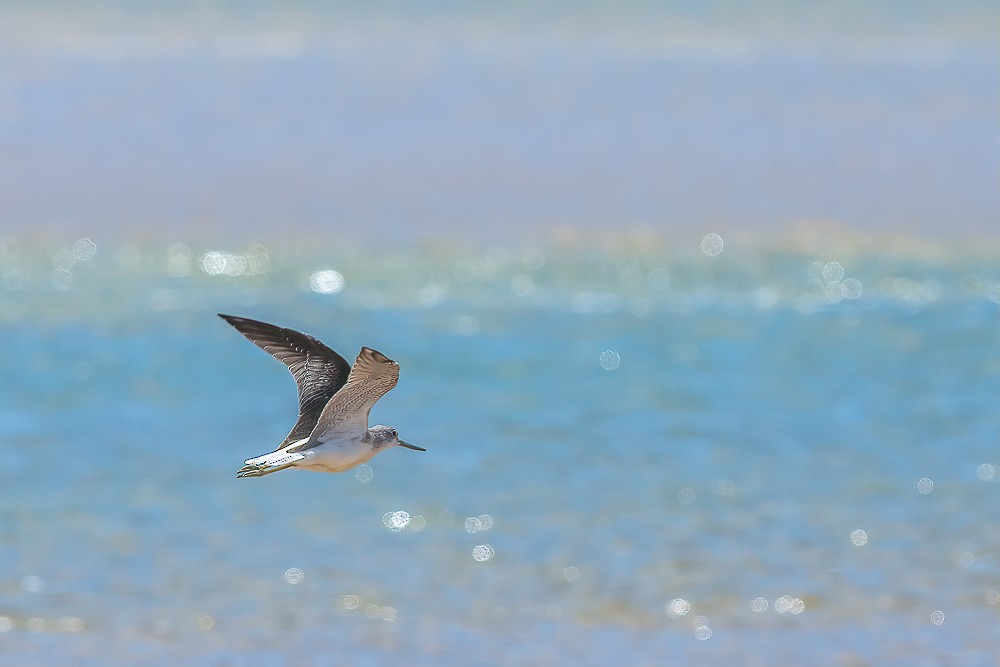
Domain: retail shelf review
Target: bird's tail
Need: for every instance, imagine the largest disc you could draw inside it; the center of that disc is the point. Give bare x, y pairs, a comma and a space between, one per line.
268, 463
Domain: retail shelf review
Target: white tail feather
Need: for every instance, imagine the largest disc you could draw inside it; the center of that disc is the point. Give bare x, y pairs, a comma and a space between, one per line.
279, 458
268, 463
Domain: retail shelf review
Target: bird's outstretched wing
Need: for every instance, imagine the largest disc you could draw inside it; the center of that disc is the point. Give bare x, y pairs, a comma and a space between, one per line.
319, 372
373, 375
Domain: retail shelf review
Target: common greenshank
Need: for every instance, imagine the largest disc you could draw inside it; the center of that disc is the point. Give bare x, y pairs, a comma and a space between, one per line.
332, 432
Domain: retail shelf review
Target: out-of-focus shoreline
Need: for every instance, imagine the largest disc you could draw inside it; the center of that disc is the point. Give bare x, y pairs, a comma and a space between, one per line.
497, 124
774, 126
798, 237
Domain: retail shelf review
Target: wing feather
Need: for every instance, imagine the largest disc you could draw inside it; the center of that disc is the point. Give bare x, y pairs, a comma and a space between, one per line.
372, 376
319, 372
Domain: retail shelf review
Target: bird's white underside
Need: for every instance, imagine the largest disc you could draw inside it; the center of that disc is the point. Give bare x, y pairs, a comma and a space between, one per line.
330, 456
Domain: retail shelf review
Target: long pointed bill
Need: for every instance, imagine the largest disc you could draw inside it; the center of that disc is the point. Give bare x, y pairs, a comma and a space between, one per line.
409, 446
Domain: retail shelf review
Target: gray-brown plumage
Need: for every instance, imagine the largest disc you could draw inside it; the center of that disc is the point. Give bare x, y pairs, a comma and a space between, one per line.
319, 372
331, 433
372, 376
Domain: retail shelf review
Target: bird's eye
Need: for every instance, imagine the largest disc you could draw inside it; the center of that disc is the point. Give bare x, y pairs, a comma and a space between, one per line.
394, 432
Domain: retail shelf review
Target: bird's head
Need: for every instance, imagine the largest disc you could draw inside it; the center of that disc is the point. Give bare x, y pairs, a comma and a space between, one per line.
387, 436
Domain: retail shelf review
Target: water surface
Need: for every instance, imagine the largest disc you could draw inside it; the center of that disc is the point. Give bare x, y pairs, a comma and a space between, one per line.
766, 455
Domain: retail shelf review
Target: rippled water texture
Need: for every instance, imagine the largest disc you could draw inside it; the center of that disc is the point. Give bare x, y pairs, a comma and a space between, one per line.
691, 452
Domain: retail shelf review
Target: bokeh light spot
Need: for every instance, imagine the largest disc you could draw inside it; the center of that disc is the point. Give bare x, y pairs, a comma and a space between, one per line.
213, 263
84, 249
852, 288
396, 521
482, 552
786, 604
678, 607
712, 244
326, 281
833, 272
609, 360
723, 487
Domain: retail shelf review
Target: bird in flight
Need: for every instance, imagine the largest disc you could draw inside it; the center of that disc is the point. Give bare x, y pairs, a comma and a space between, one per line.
332, 432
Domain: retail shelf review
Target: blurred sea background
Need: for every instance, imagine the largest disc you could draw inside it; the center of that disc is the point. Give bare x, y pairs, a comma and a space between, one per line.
696, 307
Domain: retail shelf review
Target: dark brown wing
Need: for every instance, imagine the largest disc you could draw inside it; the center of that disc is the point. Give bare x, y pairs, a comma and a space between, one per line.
318, 371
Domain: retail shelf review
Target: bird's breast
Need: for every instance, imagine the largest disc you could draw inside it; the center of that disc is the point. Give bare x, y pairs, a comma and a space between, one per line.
338, 455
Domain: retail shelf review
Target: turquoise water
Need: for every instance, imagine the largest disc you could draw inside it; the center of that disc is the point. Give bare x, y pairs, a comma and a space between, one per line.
646, 445
767, 455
